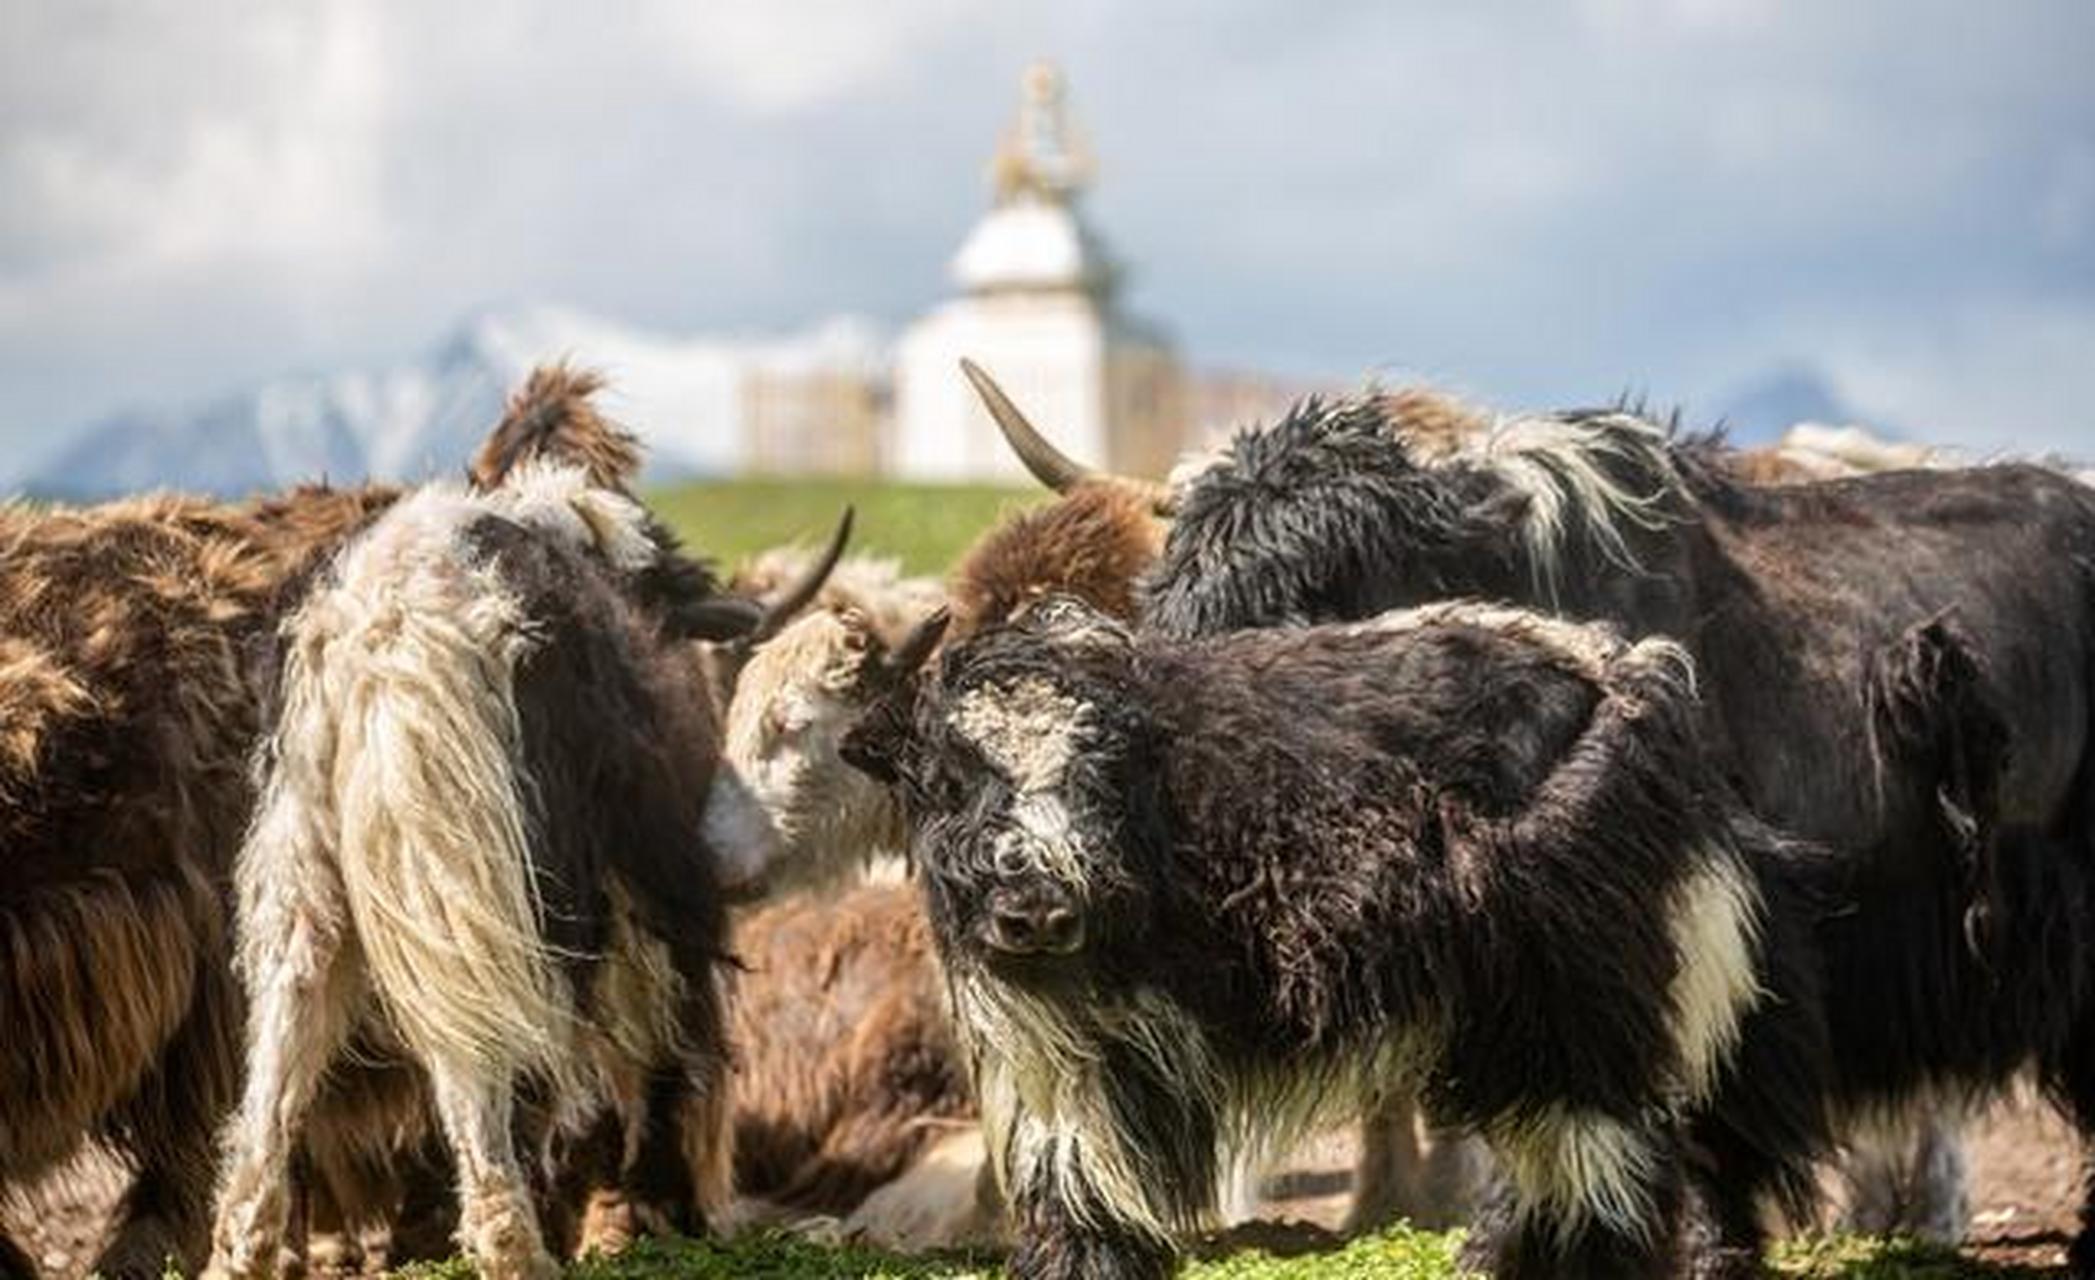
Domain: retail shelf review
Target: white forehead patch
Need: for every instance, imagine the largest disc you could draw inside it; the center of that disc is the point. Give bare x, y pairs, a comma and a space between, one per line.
1029, 730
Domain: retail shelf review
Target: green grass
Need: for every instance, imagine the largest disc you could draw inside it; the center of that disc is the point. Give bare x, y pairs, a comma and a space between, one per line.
1400, 1254
926, 526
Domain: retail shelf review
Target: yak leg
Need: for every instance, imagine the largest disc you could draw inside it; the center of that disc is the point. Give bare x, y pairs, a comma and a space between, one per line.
1592, 1199
1908, 1179
1434, 1186
2076, 1082
1386, 1182
496, 1223
672, 1169
165, 1216
297, 1022
1052, 1245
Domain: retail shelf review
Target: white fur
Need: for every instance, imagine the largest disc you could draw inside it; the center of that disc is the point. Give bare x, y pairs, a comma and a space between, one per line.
1028, 730
1714, 919
1587, 649
1043, 1108
785, 808
387, 873
1579, 1167
1557, 466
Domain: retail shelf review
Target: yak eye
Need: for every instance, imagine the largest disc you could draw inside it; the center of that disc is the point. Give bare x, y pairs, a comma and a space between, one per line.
1010, 859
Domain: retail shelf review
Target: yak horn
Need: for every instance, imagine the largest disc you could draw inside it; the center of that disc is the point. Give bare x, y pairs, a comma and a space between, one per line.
918, 644
802, 593
1049, 465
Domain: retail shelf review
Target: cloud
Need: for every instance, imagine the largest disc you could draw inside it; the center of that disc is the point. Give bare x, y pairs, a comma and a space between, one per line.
1545, 204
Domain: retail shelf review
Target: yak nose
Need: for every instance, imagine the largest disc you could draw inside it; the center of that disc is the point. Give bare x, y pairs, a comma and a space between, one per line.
1032, 923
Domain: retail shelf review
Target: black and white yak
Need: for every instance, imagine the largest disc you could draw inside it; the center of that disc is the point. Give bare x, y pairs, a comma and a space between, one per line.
1183, 920
477, 850
1900, 666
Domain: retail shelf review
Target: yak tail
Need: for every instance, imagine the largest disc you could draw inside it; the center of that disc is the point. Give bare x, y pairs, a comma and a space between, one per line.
397, 759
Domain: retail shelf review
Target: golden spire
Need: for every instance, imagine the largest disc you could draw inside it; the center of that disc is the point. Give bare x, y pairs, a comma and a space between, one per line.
1042, 156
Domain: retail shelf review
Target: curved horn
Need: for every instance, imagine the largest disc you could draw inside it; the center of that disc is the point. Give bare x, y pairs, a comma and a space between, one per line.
1049, 465
802, 593
918, 644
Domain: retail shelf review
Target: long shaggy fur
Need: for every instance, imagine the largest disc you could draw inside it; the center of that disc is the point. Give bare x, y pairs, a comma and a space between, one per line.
1899, 665
127, 717
397, 764
127, 720
439, 852
1284, 916
554, 416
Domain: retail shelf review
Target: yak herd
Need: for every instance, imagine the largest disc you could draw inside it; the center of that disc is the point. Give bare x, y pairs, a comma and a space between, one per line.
1639, 822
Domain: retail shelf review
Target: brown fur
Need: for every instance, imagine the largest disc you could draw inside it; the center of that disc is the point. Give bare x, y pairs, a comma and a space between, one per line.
850, 1070
1091, 543
123, 788
553, 416
1434, 422
127, 716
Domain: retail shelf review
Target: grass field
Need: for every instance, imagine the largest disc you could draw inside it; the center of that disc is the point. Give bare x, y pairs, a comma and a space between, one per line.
1401, 1254
925, 526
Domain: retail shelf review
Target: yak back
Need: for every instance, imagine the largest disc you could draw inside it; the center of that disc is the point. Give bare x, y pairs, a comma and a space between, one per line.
1436, 825
620, 744
1859, 639
126, 706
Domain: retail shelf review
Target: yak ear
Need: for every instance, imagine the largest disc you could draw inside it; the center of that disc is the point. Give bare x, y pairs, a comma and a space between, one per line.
878, 744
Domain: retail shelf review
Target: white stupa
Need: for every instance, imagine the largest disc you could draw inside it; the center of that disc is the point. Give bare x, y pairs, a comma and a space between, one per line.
1036, 310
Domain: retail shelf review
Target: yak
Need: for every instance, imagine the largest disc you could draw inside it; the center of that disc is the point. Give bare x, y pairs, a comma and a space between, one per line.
477, 847
125, 720
1897, 666
1182, 922
131, 701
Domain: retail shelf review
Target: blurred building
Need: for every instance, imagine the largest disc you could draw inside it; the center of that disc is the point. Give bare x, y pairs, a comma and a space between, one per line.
1037, 307
818, 406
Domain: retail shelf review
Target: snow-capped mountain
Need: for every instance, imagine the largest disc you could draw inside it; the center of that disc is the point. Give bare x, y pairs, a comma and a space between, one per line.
682, 394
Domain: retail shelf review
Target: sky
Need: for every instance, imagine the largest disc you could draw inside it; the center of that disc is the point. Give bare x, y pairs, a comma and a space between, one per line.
1536, 204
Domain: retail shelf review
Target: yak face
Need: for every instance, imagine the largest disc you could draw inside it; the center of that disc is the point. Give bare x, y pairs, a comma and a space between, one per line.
1023, 765
1321, 517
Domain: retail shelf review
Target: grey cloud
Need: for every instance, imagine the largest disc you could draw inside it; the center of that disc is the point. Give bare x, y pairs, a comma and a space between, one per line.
1542, 204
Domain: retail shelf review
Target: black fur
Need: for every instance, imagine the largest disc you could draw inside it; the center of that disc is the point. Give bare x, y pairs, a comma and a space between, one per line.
1897, 665
1472, 839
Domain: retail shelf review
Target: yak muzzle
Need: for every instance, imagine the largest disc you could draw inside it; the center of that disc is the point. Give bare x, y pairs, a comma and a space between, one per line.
1031, 921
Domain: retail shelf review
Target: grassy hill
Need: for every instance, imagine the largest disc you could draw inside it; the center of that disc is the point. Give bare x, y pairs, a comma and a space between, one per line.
926, 526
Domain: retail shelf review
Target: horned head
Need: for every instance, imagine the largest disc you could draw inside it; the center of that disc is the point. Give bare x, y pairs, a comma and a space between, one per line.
783, 791
1025, 765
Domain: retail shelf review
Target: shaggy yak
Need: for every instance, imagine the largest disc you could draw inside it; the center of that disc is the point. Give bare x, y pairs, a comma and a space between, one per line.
128, 711
1898, 666
850, 1082
125, 721
800, 1095
1183, 922
478, 848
